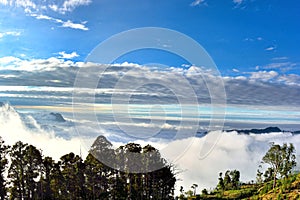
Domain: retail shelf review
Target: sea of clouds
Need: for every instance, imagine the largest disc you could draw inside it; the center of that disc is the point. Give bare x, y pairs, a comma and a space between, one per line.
57, 135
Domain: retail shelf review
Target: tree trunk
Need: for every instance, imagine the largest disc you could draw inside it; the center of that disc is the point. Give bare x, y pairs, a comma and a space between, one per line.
274, 181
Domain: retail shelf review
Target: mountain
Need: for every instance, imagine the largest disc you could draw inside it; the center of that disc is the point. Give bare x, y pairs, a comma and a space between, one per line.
258, 131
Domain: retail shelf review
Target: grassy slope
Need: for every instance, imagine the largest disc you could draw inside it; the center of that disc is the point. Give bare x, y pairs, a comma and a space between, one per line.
286, 189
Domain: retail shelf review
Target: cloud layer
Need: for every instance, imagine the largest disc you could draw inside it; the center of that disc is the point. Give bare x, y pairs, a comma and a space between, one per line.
150, 84
56, 138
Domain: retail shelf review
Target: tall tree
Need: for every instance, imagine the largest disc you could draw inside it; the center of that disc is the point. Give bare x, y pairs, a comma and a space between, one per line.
16, 172
24, 169
235, 178
97, 178
221, 185
194, 187
3, 166
45, 180
72, 170
281, 159
33, 161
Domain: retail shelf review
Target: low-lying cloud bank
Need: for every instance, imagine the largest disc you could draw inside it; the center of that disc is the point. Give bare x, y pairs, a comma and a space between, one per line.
13, 128
232, 150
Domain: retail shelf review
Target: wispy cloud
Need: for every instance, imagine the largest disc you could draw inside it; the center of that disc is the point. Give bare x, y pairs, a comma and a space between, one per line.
197, 2
10, 33
31, 6
283, 66
270, 48
36, 8
27, 5
248, 39
65, 55
280, 58
66, 24
70, 24
70, 5
238, 2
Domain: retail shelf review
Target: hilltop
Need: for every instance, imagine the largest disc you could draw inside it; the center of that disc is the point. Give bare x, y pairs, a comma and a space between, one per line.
288, 188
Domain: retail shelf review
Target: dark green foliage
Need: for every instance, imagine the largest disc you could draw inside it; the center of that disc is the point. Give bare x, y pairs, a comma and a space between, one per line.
204, 192
3, 166
33, 177
25, 168
231, 180
281, 159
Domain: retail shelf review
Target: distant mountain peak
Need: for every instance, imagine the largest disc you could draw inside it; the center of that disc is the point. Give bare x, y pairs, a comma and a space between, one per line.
259, 131
58, 117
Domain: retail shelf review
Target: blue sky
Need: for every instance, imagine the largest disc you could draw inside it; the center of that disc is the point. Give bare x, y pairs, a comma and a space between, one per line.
254, 44
239, 34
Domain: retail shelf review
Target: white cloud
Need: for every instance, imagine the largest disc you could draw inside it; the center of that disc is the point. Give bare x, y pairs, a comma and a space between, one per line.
232, 151
66, 24
50, 64
53, 7
40, 7
13, 129
280, 58
197, 2
290, 79
263, 75
65, 55
4, 2
70, 24
70, 5
253, 39
31, 6
238, 2
42, 17
27, 5
268, 87
10, 33
271, 48
283, 66
4, 61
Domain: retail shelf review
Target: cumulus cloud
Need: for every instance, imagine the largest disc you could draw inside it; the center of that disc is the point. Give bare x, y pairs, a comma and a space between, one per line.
65, 55
264, 75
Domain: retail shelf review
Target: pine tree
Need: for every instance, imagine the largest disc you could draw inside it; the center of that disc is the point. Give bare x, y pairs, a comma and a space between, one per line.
3, 166
24, 169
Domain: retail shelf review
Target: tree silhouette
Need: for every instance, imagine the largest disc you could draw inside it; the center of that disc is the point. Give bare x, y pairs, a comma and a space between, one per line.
3, 166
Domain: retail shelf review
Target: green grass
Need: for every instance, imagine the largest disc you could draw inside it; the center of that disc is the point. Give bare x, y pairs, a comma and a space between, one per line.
288, 188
